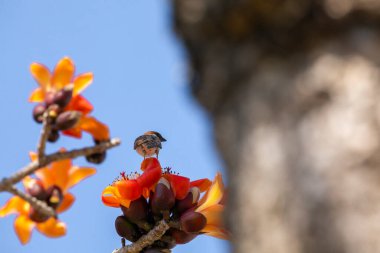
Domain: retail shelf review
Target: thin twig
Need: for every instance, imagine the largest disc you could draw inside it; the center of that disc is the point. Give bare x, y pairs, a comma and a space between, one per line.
45, 131
146, 240
57, 156
38, 205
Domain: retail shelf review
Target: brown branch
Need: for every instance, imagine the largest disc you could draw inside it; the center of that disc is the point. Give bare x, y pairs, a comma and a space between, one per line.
153, 235
57, 156
45, 131
38, 205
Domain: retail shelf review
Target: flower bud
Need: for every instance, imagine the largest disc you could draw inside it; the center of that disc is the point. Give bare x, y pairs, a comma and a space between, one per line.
126, 229
137, 211
181, 237
37, 190
37, 216
192, 222
189, 201
38, 112
54, 196
67, 120
49, 98
163, 198
96, 158
63, 96
53, 136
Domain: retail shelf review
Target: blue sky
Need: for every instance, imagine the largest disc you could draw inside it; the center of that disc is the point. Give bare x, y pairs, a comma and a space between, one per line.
139, 85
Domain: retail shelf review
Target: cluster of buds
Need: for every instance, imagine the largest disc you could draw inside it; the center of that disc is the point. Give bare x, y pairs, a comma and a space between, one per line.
53, 109
172, 198
53, 197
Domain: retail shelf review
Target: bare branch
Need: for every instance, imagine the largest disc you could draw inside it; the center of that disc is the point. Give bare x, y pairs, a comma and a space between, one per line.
38, 205
45, 131
155, 234
57, 156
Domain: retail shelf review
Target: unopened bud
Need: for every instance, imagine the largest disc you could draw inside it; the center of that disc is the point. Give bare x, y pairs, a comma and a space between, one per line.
37, 190
53, 136
192, 222
126, 229
67, 120
189, 201
63, 96
96, 158
49, 98
37, 216
137, 211
54, 196
181, 237
163, 198
38, 113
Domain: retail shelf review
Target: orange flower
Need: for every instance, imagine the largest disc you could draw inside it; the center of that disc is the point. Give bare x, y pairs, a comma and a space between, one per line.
210, 205
51, 185
129, 188
50, 83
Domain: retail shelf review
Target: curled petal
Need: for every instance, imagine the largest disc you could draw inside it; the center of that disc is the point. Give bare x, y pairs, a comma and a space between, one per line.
150, 177
79, 103
214, 195
41, 74
111, 197
129, 189
73, 132
97, 129
52, 228
13, 205
77, 174
63, 73
81, 82
179, 184
203, 184
67, 202
150, 163
37, 96
23, 227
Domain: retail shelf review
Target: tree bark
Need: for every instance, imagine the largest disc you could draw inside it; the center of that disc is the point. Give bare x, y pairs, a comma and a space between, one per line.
292, 88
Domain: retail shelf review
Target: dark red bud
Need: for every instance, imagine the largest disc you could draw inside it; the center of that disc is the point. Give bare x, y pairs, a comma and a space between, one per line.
192, 222
36, 190
126, 229
63, 96
181, 237
96, 158
37, 216
163, 198
137, 211
54, 196
189, 201
49, 98
38, 112
53, 136
67, 120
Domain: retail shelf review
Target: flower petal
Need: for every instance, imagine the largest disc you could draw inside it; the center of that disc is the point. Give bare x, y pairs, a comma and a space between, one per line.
67, 202
214, 195
203, 184
213, 215
79, 103
13, 205
179, 184
73, 132
23, 227
150, 177
216, 232
129, 189
77, 174
37, 96
150, 163
81, 82
41, 74
111, 197
33, 156
52, 228
60, 170
97, 129
46, 176
63, 73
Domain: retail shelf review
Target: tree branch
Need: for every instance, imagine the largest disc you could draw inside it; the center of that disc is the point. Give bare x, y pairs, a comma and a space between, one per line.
45, 131
38, 205
57, 156
155, 234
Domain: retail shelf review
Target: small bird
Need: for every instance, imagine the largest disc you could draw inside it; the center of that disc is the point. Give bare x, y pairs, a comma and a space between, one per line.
149, 144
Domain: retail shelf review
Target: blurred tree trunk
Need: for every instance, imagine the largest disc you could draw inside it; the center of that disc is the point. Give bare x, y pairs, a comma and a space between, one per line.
292, 87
